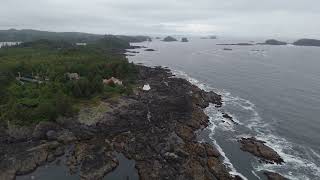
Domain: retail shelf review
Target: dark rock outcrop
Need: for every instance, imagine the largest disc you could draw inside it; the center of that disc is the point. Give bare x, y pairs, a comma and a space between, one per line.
228, 117
259, 149
307, 42
274, 176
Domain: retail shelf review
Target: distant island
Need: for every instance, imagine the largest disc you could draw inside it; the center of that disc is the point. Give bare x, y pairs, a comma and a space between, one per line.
307, 42
169, 39
274, 42
184, 40
237, 44
210, 37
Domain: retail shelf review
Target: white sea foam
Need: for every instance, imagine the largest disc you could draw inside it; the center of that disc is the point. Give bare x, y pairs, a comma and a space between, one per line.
226, 161
216, 119
314, 153
295, 163
255, 174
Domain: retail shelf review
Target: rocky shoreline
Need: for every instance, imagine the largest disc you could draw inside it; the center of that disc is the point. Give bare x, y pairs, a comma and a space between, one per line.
156, 128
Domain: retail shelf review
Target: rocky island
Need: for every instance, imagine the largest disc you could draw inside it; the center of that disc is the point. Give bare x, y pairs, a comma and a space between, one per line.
307, 42
259, 149
169, 39
184, 40
274, 42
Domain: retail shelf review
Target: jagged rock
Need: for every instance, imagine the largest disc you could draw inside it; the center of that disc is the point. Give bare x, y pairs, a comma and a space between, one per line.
213, 98
230, 118
259, 149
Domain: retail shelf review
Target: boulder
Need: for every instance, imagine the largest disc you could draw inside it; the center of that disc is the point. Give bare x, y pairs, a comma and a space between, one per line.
52, 135
41, 129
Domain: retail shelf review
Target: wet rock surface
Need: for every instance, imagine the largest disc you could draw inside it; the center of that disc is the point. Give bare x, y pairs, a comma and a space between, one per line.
259, 149
274, 176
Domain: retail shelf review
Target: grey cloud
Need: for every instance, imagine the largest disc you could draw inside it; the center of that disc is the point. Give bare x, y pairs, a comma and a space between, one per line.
287, 18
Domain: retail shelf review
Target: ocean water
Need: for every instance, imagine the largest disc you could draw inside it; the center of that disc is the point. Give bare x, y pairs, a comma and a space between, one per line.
273, 92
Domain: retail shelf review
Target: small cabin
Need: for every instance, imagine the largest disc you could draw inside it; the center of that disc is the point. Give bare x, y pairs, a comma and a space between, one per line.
111, 81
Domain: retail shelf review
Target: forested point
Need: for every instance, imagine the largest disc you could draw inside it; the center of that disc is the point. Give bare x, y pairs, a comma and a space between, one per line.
44, 79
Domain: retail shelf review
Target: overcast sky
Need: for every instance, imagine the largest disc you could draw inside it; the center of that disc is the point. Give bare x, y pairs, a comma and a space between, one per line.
265, 18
